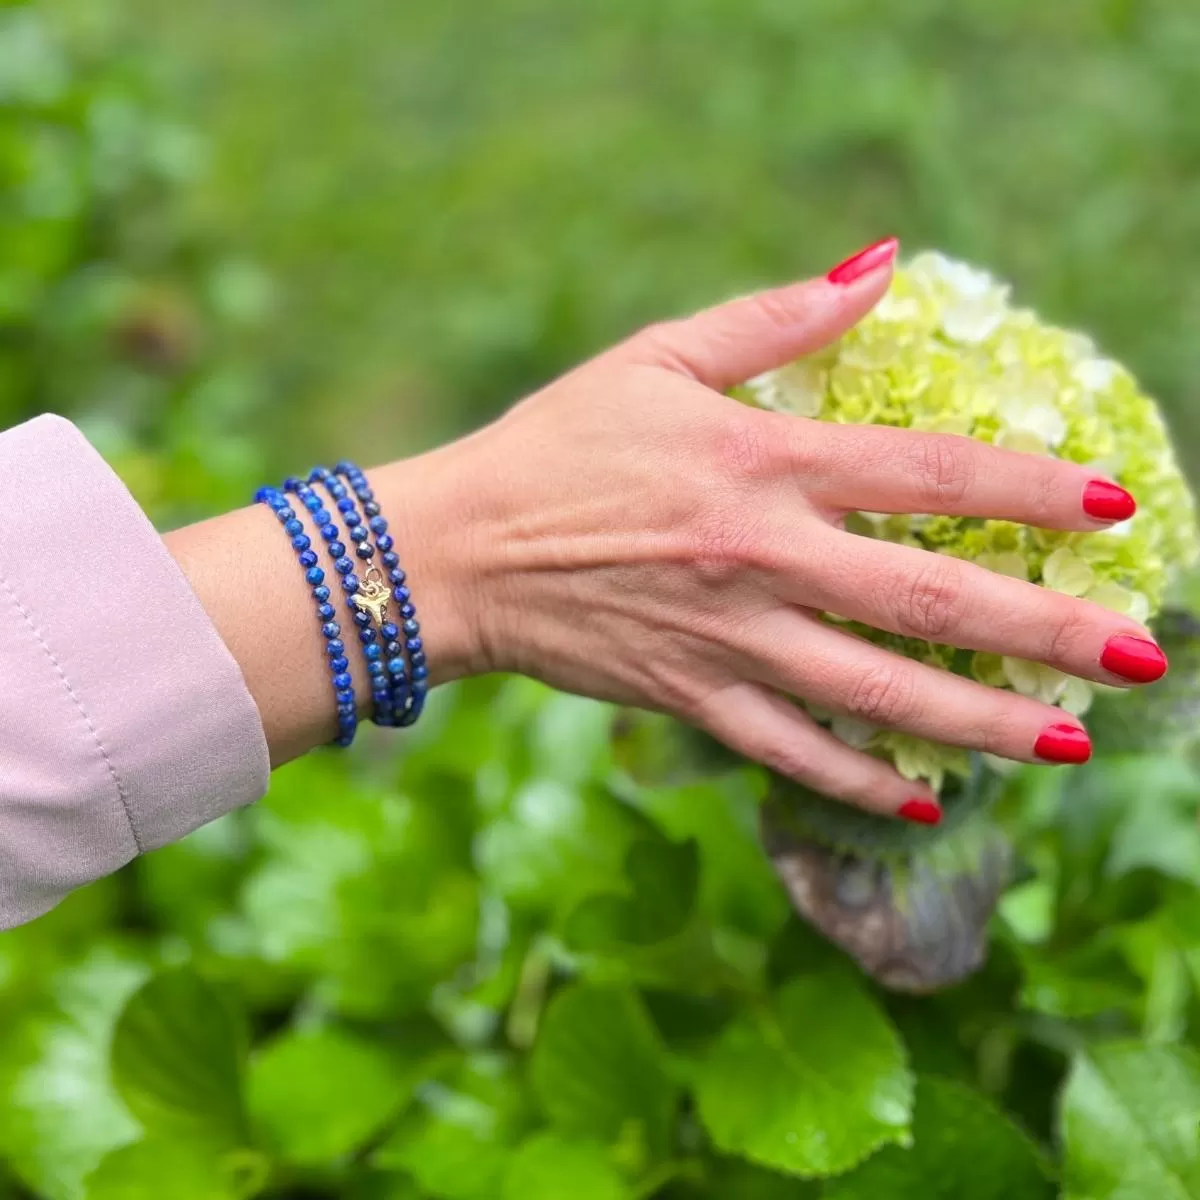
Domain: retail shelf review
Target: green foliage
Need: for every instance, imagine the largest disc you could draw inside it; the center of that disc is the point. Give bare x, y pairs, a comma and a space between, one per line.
489, 960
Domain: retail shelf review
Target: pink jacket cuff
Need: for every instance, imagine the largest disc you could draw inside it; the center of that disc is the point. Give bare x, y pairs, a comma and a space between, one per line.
124, 721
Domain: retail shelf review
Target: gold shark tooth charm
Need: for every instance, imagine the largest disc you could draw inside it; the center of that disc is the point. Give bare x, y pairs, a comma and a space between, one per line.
373, 597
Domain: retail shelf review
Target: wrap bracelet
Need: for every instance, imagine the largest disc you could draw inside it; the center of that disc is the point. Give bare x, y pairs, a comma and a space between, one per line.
314, 576
402, 638
392, 649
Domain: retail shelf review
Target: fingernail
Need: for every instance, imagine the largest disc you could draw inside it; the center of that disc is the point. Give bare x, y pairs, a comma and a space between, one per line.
1134, 658
877, 255
924, 812
1107, 502
1063, 744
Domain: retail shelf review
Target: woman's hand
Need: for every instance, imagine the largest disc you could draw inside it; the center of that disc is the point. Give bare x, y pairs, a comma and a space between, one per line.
632, 534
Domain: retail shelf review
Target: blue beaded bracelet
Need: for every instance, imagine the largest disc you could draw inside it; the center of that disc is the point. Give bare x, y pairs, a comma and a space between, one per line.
314, 576
402, 639
366, 598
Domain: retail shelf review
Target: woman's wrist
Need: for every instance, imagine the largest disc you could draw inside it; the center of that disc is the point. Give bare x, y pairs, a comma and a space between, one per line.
429, 503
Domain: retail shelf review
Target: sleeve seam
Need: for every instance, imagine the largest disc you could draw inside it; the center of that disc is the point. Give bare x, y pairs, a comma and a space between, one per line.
83, 714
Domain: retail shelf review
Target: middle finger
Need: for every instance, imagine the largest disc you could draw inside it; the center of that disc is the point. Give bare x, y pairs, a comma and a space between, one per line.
917, 593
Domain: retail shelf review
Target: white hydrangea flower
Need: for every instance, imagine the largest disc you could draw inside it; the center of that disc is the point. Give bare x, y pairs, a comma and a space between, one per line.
852, 732
945, 351
1066, 572
1035, 679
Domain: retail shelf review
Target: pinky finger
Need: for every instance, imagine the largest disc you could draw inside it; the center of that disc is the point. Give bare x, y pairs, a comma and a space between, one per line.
757, 723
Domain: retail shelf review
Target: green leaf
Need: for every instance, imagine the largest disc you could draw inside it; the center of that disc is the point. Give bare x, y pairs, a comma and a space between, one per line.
319, 1093
556, 845
177, 1060
599, 1070
549, 1167
372, 897
59, 1113
662, 878
963, 1149
1130, 1123
1158, 829
169, 1170
738, 888
457, 1140
812, 1085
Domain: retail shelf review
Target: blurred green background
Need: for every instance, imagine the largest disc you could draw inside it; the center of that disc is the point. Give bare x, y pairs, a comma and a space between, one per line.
239, 236
458, 200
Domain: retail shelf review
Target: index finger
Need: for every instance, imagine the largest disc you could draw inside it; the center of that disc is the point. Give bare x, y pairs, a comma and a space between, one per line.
876, 468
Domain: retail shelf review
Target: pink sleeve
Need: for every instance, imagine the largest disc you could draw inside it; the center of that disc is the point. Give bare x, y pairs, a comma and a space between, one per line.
124, 721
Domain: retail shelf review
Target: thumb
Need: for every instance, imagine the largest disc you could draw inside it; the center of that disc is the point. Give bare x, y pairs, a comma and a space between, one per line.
733, 342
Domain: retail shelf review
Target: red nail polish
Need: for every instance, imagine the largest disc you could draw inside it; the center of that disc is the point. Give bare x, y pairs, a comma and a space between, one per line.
1063, 744
1107, 502
877, 255
1136, 659
923, 811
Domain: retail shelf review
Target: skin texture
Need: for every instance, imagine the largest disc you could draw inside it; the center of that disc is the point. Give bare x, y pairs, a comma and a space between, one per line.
632, 534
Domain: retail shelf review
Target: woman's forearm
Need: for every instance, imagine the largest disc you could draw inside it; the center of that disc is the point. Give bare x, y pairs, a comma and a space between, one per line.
246, 575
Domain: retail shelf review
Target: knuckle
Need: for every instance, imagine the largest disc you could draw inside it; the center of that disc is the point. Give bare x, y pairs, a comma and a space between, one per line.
754, 446
746, 448
882, 695
777, 306
1066, 629
724, 543
930, 602
945, 467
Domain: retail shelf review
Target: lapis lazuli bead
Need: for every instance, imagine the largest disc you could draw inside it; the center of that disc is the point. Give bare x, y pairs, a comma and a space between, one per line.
390, 631
393, 648
344, 565
362, 619
345, 504
375, 668
413, 645
329, 531
371, 508
349, 583
406, 610
397, 666
411, 627
377, 525
391, 559
366, 550
373, 652
315, 578
398, 578
337, 549
419, 673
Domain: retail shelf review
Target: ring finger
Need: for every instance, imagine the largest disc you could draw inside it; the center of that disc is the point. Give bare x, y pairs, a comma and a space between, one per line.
798, 653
